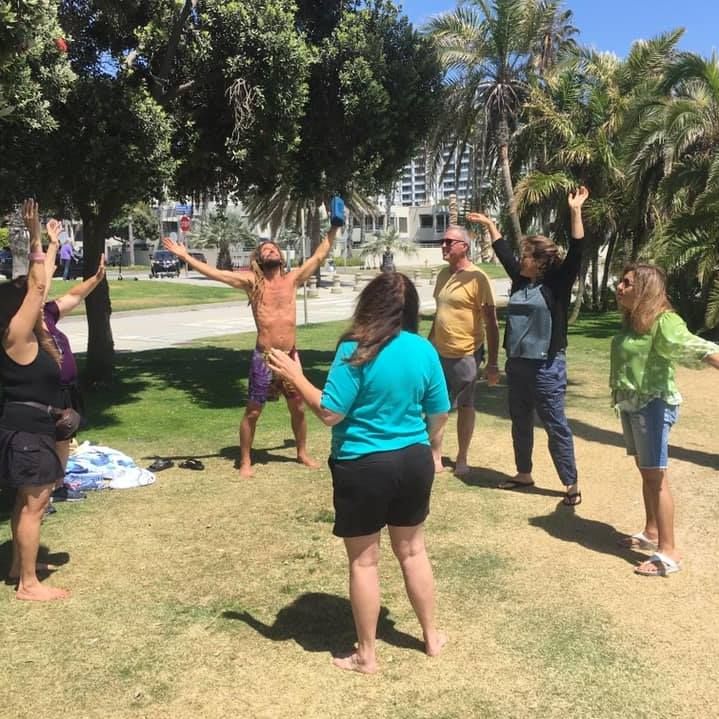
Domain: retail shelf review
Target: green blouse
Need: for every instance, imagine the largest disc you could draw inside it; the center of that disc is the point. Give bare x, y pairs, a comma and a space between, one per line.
642, 366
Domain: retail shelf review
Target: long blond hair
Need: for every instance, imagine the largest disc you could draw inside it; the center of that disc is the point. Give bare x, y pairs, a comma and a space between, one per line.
650, 291
258, 286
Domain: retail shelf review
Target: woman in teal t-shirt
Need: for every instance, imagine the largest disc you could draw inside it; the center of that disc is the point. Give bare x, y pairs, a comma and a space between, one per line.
644, 391
385, 397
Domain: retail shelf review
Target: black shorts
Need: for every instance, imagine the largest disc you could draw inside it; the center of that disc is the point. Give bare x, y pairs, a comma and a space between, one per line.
28, 459
382, 488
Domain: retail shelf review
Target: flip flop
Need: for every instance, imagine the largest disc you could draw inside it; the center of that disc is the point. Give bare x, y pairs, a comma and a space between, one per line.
664, 565
514, 484
192, 463
159, 464
572, 500
638, 541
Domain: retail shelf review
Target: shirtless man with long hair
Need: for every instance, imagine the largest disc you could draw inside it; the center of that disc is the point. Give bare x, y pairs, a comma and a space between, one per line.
272, 293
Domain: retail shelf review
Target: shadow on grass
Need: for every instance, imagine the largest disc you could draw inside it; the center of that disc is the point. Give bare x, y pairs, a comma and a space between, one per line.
490, 478
44, 556
211, 377
565, 524
616, 439
321, 622
493, 401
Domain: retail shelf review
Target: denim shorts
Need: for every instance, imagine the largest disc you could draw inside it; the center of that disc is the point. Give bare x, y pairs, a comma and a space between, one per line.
646, 433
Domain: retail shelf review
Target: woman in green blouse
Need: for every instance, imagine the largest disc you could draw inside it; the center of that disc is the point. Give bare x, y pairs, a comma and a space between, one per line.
653, 339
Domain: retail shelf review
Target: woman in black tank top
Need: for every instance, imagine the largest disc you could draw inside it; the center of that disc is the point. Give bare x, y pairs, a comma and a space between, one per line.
30, 376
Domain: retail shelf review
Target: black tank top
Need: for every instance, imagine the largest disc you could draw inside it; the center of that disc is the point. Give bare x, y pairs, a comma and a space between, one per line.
38, 381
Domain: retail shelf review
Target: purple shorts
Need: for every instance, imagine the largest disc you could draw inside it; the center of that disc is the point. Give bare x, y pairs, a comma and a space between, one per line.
264, 386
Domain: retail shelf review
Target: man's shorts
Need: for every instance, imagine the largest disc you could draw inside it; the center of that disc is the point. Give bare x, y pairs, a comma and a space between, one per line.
28, 459
646, 433
382, 488
264, 386
461, 377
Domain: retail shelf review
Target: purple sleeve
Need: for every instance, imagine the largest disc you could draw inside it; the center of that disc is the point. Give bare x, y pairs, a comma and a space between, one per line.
52, 312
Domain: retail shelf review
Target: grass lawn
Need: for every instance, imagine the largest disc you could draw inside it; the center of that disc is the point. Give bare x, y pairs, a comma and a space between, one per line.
203, 595
147, 294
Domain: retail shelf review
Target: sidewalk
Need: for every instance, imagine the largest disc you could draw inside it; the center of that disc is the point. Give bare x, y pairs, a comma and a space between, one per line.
166, 327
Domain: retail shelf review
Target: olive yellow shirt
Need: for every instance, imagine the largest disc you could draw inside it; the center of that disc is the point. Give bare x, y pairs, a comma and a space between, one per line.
458, 324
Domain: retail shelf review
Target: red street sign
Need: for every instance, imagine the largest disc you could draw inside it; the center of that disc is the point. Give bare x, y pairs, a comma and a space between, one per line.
185, 223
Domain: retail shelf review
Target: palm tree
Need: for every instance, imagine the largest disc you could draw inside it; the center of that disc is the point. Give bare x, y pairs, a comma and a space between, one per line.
676, 146
388, 240
572, 134
489, 50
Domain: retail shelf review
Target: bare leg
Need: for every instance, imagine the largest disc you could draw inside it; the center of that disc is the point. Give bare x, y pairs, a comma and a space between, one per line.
62, 448
659, 505
651, 529
299, 428
408, 546
363, 556
30, 508
465, 430
247, 437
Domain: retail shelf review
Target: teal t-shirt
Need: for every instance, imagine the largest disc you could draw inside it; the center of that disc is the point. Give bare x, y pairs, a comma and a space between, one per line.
385, 400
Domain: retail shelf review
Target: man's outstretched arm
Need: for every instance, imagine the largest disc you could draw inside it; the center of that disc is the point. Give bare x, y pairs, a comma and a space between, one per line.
239, 280
311, 265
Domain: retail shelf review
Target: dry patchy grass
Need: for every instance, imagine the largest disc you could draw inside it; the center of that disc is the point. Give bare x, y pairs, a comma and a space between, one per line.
204, 595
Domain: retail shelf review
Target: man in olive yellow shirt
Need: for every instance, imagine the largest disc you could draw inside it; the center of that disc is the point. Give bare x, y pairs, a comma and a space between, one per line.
466, 317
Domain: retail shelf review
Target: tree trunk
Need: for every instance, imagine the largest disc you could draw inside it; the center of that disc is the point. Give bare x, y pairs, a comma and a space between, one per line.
100, 345
503, 136
603, 293
595, 276
18, 244
315, 234
582, 286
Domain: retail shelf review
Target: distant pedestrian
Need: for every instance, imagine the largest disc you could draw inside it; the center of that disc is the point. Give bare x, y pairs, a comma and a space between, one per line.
66, 259
387, 261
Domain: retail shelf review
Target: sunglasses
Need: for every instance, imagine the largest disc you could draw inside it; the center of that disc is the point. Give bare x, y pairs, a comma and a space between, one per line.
447, 242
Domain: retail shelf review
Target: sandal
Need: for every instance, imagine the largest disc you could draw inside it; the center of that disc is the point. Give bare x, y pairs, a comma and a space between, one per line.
159, 464
192, 463
572, 500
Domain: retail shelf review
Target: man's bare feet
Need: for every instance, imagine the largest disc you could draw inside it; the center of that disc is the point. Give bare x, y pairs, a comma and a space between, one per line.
41, 593
308, 461
435, 645
246, 471
461, 468
353, 663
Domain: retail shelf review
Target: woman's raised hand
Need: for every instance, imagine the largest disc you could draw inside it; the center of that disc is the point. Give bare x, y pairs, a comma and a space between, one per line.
479, 218
54, 228
576, 199
31, 218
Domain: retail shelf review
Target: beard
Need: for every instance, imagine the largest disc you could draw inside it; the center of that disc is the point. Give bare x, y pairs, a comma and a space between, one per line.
271, 263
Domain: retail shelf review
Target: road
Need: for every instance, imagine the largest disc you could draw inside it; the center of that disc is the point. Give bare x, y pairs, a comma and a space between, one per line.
155, 329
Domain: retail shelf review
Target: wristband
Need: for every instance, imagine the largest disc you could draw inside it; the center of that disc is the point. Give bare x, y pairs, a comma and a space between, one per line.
36, 257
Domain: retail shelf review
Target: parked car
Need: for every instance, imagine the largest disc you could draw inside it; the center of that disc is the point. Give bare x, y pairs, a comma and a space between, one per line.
164, 264
197, 255
6, 263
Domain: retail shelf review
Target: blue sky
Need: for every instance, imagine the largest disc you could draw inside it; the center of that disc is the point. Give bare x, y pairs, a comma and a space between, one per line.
614, 24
